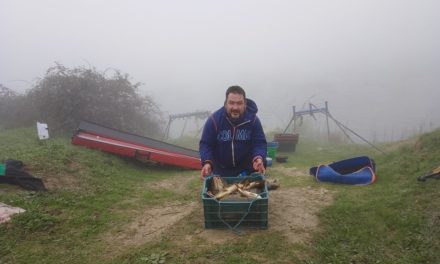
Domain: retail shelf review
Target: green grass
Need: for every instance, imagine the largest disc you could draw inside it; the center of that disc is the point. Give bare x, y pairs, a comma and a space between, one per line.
395, 220
93, 190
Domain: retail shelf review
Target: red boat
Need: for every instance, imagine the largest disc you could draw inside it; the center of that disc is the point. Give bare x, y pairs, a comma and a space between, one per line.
130, 145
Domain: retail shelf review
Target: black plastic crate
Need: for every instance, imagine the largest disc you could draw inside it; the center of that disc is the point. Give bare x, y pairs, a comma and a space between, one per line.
235, 213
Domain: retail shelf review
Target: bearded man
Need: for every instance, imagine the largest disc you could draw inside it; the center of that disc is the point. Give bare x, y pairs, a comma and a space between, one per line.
233, 142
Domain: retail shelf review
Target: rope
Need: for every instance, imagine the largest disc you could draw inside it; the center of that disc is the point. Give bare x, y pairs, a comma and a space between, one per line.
235, 229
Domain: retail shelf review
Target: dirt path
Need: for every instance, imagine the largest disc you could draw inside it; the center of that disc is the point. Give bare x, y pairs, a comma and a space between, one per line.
151, 223
147, 226
292, 211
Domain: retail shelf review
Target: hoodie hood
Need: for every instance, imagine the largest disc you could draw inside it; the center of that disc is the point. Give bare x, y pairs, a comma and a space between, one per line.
251, 106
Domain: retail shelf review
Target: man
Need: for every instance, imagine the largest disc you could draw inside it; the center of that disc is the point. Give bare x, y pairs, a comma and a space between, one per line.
233, 141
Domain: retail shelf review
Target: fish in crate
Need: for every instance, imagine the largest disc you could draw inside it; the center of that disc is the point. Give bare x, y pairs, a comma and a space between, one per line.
235, 201
220, 190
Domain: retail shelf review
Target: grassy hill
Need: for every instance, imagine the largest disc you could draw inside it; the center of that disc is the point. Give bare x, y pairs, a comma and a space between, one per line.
396, 221
94, 198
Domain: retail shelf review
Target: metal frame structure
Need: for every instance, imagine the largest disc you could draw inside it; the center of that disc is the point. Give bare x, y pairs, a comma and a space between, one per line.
324, 110
312, 109
196, 115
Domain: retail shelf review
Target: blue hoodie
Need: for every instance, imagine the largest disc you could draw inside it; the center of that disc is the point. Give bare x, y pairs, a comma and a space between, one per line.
231, 147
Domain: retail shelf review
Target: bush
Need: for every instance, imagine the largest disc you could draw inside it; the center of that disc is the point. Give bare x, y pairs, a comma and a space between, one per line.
15, 110
65, 96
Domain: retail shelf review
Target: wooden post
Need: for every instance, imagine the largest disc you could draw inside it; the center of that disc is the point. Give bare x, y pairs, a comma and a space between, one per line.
184, 126
294, 119
167, 129
326, 117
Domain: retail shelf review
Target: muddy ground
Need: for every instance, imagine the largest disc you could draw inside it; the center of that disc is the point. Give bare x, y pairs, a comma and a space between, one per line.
292, 211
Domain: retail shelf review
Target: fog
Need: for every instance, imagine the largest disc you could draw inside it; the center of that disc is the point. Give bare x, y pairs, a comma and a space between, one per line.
376, 62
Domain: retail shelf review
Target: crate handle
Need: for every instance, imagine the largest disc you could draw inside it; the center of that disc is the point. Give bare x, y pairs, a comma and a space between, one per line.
234, 228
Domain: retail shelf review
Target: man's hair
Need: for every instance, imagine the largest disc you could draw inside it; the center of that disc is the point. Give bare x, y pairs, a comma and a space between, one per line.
237, 90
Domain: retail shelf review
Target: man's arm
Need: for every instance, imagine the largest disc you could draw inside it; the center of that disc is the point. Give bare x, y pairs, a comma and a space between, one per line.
259, 147
206, 146
206, 170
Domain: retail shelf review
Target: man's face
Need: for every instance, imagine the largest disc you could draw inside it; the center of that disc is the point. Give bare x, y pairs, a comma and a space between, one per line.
235, 105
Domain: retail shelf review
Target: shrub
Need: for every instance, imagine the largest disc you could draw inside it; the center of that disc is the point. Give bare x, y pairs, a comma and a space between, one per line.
15, 110
65, 96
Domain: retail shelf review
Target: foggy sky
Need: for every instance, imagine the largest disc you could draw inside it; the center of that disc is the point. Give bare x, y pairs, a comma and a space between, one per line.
376, 62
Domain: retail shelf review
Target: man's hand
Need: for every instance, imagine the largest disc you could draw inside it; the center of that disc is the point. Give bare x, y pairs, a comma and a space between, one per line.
258, 165
206, 170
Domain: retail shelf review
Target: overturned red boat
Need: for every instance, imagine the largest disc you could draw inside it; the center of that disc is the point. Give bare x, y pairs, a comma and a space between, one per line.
107, 139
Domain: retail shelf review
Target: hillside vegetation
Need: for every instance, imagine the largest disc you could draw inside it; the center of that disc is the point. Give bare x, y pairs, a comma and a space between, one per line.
95, 201
63, 97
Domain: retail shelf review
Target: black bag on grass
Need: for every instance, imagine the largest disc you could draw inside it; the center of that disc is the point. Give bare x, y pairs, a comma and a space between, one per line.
14, 174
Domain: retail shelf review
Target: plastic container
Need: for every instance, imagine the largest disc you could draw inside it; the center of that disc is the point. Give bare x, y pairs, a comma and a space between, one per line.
2, 169
287, 142
235, 213
269, 161
272, 149
281, 159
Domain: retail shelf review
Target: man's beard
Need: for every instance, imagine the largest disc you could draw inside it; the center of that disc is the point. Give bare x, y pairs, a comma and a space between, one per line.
235, 119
